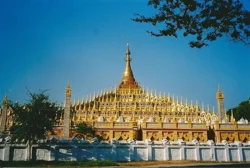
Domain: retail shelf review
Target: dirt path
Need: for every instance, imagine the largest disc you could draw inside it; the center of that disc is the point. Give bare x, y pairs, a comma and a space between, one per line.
182, 164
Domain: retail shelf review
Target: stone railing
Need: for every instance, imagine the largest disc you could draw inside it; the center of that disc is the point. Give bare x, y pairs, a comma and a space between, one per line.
113, 124
174, 125
220, 126
129, 151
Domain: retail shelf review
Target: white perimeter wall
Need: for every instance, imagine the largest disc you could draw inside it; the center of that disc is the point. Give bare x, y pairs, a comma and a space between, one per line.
125, 152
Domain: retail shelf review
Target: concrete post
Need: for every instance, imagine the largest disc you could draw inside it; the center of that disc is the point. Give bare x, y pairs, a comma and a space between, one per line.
227, 154
182, 152
166, 152
6, 152
240, 153
131, 152
66, 120
149, 146
197, 153
213, 153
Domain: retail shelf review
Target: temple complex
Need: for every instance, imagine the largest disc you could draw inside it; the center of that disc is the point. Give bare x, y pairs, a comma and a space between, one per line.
130, 111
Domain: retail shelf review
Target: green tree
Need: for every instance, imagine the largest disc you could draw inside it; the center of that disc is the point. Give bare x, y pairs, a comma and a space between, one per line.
241, 111
204, 20
85, 129
34, 119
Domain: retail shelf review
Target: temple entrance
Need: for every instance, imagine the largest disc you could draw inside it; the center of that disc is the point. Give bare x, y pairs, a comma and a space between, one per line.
139, 134
211, 134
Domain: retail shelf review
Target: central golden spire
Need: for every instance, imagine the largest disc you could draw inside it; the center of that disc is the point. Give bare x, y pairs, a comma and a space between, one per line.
128, 80
128, 76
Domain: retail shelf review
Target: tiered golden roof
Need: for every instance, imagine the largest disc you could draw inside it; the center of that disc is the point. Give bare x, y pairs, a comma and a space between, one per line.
134, 103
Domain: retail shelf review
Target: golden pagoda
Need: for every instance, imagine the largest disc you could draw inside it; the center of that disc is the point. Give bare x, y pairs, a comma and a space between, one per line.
131, 112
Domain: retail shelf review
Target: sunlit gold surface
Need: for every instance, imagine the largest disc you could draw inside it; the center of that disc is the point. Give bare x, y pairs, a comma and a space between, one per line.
128, 81
219, 94
130, 111
68, 90
120, 112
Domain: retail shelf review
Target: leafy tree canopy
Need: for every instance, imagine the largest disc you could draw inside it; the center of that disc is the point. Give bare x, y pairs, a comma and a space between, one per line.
85, 129
241, 111
32, 120
204, 20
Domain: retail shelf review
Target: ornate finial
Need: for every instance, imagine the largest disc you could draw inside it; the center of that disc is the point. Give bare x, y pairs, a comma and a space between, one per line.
208, 110
128, 77
128, 59
232, 116
82, 100
127, 51
202, 107
68, 90
219, 94
94, 106
5, 100
169, 98
197, 106
78, 102
90, 97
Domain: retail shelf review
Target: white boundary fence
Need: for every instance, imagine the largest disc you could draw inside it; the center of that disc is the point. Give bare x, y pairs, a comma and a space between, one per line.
129, 151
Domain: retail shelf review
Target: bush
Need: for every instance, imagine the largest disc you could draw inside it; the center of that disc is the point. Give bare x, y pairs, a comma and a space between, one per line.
88, 163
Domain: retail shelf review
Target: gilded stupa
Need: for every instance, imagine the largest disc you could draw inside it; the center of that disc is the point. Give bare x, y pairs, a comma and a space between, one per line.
131, 112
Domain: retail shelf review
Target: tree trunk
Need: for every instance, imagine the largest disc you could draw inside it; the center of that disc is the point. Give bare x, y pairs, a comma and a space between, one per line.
29, 150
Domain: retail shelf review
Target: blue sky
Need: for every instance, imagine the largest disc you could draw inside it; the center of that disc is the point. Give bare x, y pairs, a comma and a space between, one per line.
45, 43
